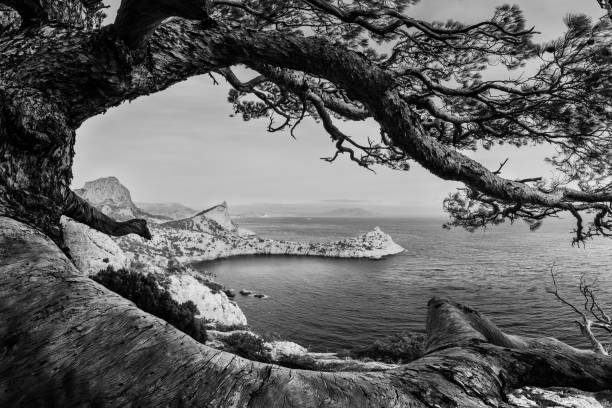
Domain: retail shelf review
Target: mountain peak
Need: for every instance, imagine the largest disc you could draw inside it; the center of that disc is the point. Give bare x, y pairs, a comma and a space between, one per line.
107, 190
220, 214
219, 207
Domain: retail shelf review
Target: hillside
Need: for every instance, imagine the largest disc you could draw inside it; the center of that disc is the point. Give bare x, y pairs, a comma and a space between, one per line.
115, 200
174, 211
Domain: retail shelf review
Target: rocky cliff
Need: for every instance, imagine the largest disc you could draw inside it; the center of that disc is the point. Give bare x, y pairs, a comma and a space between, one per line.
93, 251
115, 200
200, 238
109, 195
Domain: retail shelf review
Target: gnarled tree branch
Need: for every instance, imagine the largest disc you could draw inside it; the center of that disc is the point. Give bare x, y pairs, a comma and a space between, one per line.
137, 19
80, 210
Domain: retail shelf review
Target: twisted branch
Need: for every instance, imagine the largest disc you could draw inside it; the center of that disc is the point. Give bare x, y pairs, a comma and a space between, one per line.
80, 210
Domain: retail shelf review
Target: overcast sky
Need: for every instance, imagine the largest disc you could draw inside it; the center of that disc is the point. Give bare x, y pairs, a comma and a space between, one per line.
182, 145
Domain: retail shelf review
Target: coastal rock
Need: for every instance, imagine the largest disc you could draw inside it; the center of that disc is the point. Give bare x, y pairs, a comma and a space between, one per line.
199, 239
332, 362
220, 214
91, 250
213, 305
277, 350
532, 397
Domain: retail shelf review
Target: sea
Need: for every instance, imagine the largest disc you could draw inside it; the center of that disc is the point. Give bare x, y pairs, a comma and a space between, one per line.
330, 304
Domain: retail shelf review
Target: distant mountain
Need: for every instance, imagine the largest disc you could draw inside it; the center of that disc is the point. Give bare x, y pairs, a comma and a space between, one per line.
347, 212
220, 214
112, 198
173, 211
107, 191
214, 220
338, 208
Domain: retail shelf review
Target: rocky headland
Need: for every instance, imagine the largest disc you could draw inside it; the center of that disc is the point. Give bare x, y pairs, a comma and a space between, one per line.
208, 235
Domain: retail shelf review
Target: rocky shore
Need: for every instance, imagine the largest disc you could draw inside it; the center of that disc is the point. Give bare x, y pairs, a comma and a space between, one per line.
201, 239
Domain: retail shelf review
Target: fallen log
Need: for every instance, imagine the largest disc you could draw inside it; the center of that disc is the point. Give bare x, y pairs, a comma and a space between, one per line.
67, 341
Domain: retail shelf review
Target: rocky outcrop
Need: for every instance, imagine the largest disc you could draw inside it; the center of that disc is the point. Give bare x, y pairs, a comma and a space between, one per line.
114, 199
532, 397
220, 214
214, 305
110, 196
277, 350
93, 251
200, 239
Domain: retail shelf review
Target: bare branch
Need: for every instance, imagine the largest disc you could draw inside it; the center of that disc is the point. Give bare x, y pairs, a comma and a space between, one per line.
585, 324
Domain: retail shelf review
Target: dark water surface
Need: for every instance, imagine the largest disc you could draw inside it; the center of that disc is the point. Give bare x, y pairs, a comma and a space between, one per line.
330, 304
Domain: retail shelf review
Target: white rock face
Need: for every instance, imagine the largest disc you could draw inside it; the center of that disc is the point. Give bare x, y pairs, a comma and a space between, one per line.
279, 349
111, 197
91, 250
212, 306
107, 191
220, 215
532, 397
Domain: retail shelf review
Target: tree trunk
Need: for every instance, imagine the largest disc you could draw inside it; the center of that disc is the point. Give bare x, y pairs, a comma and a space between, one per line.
67, 341
36, 151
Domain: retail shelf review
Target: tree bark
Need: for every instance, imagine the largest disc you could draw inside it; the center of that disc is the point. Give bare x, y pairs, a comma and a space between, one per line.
67, 341
36, 150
